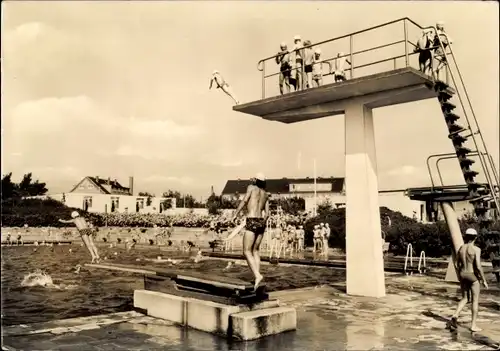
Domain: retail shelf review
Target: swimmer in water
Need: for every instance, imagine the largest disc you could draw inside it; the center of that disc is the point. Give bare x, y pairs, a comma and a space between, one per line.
222, 84
85, 233
470, 274
256, 202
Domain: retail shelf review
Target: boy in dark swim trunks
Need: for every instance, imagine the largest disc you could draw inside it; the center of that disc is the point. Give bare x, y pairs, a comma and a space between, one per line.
257, 204
423, 47
85, 232
283, 60
470, 273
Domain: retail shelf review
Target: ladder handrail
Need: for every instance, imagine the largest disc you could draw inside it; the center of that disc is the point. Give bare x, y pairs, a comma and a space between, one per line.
420, 260
409, 253
481, 159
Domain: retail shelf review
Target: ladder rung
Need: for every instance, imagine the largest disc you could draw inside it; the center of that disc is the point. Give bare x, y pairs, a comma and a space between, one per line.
466, 162
458, 139
473, 185
440, 85
470, 173
450, 116
444, 96
462, 150
455, 128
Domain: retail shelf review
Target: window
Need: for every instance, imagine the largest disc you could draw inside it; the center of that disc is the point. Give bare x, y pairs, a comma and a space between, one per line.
140, 203
115, 203
87, 201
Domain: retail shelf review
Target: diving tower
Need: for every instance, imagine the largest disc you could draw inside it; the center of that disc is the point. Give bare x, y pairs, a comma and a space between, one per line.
372, 84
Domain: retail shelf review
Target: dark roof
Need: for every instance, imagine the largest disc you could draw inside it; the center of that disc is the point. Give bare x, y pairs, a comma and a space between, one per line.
100, 182
114, 184
282, 185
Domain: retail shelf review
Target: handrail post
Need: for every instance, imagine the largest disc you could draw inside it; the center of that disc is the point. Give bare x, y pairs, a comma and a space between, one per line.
264, 79
406, 42
351, 44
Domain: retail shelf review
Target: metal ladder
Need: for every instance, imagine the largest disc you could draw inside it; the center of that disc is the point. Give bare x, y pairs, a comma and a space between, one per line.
482, 197
422, 264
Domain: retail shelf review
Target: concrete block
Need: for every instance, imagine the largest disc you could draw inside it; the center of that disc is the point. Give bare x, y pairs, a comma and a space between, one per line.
203, 315
160, 305
256, 324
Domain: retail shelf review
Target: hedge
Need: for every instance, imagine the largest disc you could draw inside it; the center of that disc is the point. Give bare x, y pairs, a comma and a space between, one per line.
433, 238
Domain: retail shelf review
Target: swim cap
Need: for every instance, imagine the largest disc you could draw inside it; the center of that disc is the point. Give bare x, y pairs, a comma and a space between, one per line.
283, 45
260, 176
74, 214
317, 51
297, 37
215, 72
470, 231
440, 23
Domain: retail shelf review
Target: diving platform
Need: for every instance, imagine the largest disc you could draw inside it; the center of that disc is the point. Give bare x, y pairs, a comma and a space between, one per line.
393, 87
452, 193
221, 305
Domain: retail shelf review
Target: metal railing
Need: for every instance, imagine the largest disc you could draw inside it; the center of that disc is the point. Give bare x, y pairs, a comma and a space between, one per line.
485, 158
406, 22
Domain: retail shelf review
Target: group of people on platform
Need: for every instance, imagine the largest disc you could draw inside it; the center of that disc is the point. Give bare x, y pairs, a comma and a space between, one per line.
301, 67
430, 49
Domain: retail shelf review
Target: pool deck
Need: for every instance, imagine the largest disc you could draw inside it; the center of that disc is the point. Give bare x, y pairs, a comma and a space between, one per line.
412, 316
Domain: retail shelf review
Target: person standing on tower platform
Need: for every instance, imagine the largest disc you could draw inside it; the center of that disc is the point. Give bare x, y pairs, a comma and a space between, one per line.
439, 54
222, 84
297, 61
283, 59
317, 72
424, 45
339, 73
308, 64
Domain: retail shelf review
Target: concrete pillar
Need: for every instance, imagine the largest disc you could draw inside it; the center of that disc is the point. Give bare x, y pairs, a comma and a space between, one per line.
365, 264
456, 238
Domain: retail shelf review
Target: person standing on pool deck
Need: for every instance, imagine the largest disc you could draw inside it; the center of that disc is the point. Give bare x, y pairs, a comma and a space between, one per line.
470, 274
85, 233
256, 201
222, 84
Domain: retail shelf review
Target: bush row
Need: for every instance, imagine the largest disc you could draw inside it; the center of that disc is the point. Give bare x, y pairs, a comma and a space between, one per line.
432, 238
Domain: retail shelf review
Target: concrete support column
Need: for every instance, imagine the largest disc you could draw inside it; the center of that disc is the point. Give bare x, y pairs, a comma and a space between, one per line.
456, 238
365, 264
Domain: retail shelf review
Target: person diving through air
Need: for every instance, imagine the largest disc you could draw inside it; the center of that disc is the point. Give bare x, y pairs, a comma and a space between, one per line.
222, 84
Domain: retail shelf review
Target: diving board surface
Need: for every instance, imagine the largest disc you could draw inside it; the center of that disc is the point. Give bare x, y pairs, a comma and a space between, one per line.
377, 90
205, 286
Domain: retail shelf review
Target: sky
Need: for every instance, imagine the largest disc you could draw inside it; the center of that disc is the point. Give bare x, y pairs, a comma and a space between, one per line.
119, 89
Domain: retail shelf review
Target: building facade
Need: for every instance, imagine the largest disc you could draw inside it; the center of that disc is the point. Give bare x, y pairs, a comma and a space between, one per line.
333, 190
95, 194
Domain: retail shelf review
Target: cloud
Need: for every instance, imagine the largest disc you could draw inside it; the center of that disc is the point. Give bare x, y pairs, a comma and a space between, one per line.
405, 170
56, 132
168, 179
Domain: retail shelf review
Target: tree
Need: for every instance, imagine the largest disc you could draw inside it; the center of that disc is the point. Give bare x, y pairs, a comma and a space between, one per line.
29, 188
293, 205
9, 189
324, 208
183, 200
149, 197
25, 188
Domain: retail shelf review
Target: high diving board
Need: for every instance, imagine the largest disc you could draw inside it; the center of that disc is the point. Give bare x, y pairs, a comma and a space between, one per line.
451, 193
378, 90
204, 286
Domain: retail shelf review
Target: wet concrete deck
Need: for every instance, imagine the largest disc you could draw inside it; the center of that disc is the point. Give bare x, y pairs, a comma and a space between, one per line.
412, 316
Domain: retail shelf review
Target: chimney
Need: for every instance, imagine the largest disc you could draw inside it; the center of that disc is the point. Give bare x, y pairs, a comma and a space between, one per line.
131, 185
